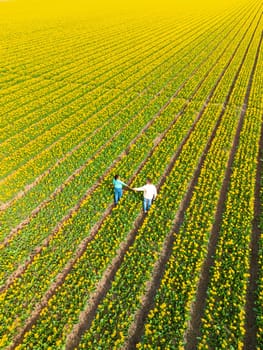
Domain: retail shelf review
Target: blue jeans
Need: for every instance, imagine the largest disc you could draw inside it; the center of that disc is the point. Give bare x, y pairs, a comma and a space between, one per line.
147, 204
117, 194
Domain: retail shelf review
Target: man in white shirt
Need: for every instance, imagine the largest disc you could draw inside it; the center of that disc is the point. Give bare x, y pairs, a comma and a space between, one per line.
149, 194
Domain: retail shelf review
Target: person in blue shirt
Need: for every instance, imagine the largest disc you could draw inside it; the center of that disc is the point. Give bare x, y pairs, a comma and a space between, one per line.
117, 183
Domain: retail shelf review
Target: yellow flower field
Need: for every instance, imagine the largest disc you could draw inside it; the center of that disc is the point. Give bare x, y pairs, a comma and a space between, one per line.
169, 90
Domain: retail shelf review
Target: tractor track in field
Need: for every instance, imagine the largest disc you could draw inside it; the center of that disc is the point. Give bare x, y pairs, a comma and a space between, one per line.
87, 316
251, 328
193, 331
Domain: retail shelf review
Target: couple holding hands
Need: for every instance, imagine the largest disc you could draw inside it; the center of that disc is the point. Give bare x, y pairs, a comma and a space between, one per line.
149, 191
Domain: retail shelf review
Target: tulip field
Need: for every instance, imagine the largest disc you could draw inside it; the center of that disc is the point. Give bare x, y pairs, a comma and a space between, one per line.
174, 96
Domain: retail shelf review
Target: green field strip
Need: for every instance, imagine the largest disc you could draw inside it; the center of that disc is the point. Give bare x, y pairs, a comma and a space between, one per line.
78, 185
218, 96
62, 42
254, 326
138, 265
45, 263
65, 200
20, 88
259, 290
11, 186
20, 91
110, 325
128, 208
104, 46
101, 60
18, 172
115, 225
168, 319
80, 42
30, 112
172, 137
82, 73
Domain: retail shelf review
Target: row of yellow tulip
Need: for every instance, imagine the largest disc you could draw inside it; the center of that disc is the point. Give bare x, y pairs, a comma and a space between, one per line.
77, 158
63, 308
96, 258
258, 106
259, 292
41, 221
107, 65
71, 191
67, 48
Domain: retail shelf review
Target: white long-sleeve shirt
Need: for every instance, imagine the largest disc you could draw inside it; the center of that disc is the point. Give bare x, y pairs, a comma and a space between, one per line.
149, 191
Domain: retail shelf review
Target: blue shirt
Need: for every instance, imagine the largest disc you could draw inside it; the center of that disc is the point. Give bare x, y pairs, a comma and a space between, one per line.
118, 183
